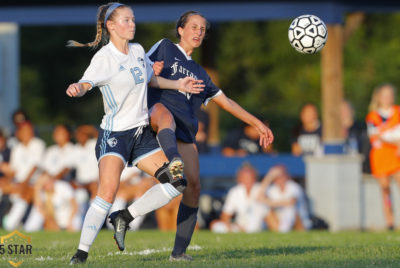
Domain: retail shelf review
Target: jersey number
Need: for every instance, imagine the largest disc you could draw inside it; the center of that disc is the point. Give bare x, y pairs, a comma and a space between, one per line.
137, 75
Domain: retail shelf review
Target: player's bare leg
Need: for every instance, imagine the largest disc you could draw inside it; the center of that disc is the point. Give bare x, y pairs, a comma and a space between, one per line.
384, 184
110, 168
163, 123
187, 215
156, 197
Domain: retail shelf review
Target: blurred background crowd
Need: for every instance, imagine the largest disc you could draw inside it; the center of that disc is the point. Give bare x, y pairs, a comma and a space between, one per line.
48, 185
48, 170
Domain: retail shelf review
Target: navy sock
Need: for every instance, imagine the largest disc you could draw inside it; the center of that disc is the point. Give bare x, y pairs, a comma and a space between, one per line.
167, 140
186, 222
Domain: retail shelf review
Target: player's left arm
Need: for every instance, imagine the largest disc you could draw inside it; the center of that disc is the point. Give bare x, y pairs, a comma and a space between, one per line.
266, 136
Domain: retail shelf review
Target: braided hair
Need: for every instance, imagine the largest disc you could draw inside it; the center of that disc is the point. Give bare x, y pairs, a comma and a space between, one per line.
102, 33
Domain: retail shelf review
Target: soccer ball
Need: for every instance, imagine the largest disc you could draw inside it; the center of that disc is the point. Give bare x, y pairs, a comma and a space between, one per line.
308, 34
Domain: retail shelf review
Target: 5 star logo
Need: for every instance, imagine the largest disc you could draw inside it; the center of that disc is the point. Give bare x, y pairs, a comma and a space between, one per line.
14, 246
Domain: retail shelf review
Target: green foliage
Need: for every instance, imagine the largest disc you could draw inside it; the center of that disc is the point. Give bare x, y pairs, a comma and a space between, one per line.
372, 57
257, 68
268, 77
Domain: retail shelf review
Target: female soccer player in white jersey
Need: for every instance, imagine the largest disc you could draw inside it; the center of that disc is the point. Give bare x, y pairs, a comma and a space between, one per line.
121, 71
173, 115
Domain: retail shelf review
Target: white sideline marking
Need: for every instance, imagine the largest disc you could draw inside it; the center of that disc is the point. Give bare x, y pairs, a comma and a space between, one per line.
149, 251
144, 252
41, 258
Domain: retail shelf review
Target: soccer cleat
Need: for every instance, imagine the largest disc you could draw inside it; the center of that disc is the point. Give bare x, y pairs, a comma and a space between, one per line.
79, 257
120, 227
175, 168
182, 257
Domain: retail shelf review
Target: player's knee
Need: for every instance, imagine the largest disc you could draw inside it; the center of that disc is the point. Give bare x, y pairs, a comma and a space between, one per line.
385, 187
162, 117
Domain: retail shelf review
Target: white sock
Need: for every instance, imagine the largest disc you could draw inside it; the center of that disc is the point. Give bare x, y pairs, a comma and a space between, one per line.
118, 204
157, 196
13, 219
135, 224
35, 221
93, 222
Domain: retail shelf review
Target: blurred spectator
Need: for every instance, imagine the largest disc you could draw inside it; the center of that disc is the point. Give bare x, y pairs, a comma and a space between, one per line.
133, 185
25, 158
18, 117
4, 152
282, 196
307, 137
244, 141
85, 164
242, 203
54, 206
202, 133
56, 165
58, 159
351, 131
4, 164
383, 122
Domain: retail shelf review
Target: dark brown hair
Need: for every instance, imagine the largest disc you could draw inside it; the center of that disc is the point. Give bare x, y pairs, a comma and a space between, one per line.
183, 19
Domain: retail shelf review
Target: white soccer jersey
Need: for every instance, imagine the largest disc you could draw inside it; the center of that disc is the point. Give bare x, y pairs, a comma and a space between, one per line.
292, 190
85, 162
24, 158
286, 215
249, 212
57, 158
122, 80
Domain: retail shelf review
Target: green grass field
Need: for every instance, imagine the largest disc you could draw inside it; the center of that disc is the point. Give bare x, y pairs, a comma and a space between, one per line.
151, 248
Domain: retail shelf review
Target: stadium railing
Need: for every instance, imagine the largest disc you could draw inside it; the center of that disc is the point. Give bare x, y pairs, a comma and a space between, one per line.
212, 165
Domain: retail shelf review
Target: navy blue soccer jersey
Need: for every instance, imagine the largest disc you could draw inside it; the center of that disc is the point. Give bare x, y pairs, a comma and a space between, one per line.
182, 105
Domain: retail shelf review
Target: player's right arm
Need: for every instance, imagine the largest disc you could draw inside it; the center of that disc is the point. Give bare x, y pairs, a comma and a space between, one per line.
78, 89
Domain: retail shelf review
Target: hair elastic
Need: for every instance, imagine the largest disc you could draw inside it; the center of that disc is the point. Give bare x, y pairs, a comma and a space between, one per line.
110, 10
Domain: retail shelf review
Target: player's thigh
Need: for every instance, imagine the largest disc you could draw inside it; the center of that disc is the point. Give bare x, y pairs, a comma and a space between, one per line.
384, 183
190, 157
161, 117
152, 163
110, 169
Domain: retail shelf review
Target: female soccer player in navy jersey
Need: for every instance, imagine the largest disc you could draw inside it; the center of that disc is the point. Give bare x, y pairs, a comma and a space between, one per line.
121, 71
173, 113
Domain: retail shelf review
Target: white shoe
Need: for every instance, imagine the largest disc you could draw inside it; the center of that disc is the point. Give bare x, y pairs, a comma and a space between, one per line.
183, 257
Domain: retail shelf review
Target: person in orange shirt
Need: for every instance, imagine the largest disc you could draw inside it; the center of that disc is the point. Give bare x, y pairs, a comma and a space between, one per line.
383, 121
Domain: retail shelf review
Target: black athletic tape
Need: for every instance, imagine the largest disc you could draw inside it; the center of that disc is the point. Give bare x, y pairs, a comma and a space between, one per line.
163, 176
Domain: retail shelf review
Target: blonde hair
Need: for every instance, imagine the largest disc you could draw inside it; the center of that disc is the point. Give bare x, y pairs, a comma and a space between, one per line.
102, 33
247, 166
374, 104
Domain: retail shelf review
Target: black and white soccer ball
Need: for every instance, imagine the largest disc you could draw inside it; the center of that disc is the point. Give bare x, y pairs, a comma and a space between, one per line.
308, 34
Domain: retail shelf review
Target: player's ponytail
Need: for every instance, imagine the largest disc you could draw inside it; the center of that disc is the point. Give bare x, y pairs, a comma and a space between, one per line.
102, 34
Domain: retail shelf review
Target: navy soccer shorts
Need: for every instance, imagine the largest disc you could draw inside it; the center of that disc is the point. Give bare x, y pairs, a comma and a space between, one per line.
131, 145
